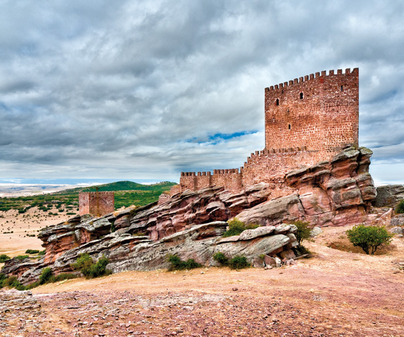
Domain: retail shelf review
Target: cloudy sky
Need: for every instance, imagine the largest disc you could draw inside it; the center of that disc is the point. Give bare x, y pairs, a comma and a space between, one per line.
147, 89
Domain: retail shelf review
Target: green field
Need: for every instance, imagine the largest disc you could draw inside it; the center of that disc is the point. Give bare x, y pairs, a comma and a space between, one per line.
127, 193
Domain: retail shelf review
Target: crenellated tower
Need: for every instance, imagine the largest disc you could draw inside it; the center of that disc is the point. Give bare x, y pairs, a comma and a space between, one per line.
319, 111
307, 120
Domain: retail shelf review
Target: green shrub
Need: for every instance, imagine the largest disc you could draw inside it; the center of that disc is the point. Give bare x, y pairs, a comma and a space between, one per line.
64, 276
221, 258
46, 275
84, 261
178, 264
238, 262
192, 264
42, 252
31, 251
90, 269
400, 207
369, 238
2, 278
33, 285
97, 269
12, 282
4, 258
236, 227
303, 231
22, 257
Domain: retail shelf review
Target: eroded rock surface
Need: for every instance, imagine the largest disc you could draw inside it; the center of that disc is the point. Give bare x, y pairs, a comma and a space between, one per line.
389, 195
190, 224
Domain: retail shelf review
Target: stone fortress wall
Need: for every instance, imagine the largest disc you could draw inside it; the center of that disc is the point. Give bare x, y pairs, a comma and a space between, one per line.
96, 203
307, 120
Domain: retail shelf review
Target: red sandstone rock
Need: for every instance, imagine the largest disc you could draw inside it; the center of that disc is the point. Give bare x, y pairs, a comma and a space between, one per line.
182, 224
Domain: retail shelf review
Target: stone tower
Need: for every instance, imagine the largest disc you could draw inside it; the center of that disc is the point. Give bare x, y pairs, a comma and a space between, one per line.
319, 112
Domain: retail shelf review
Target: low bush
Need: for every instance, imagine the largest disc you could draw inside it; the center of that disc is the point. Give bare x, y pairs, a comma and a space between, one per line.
11, 282
98, 269
90, 269
42, 252
238, 262
31, 251
21, 257
64, 276
369, 238
178, 264
84, 261
303, 231
46, 275
236, 227
2, 278
4, 258
33, 285
221, 258
400, 207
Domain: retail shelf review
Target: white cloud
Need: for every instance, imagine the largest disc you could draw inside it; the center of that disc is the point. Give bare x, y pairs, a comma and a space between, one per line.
117, 89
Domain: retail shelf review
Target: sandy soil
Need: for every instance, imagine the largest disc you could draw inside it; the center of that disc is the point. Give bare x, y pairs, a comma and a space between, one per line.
335, 293
23, 225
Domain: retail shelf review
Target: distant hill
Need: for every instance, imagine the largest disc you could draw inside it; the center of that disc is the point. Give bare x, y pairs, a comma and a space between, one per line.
127, 193
131, 186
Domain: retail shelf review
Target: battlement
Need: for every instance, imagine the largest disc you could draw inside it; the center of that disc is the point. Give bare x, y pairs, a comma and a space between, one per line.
318, 111
209, 173
267, 152
310, 77
307, 120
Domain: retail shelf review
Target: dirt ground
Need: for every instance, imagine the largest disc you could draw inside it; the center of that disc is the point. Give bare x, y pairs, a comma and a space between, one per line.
338, 292
24, 228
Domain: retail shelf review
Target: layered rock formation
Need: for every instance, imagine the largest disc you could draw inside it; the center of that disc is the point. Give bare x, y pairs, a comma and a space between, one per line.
389, 195
190, 224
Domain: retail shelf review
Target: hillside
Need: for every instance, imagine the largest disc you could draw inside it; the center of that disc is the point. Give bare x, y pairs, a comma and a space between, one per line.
127, 193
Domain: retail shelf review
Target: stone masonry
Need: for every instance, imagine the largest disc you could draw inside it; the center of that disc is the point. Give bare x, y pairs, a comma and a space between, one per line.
96, 203
307, 120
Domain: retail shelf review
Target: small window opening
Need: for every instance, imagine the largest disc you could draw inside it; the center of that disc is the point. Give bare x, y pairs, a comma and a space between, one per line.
342, 88
289, 126
301, 95
277, 101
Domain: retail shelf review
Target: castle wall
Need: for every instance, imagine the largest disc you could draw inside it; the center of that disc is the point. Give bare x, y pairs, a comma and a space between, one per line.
230, 179
188, 181
96, 203
319, 111
307, 120
270, 166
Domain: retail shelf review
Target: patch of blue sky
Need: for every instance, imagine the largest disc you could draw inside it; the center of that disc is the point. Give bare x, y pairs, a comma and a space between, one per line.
220, 137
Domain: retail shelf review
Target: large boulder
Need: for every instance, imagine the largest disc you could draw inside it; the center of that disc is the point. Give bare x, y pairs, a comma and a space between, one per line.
389, 195
273, 212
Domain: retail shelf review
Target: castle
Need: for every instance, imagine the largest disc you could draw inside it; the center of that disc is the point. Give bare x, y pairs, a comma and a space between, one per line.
307, 120
96, 203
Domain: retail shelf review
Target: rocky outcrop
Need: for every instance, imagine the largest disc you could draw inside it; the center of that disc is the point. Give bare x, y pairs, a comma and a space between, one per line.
200, 242
389, 195
337, 192
190, 224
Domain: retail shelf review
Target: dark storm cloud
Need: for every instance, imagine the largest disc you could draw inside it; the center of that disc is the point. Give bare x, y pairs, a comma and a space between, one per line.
117, 89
